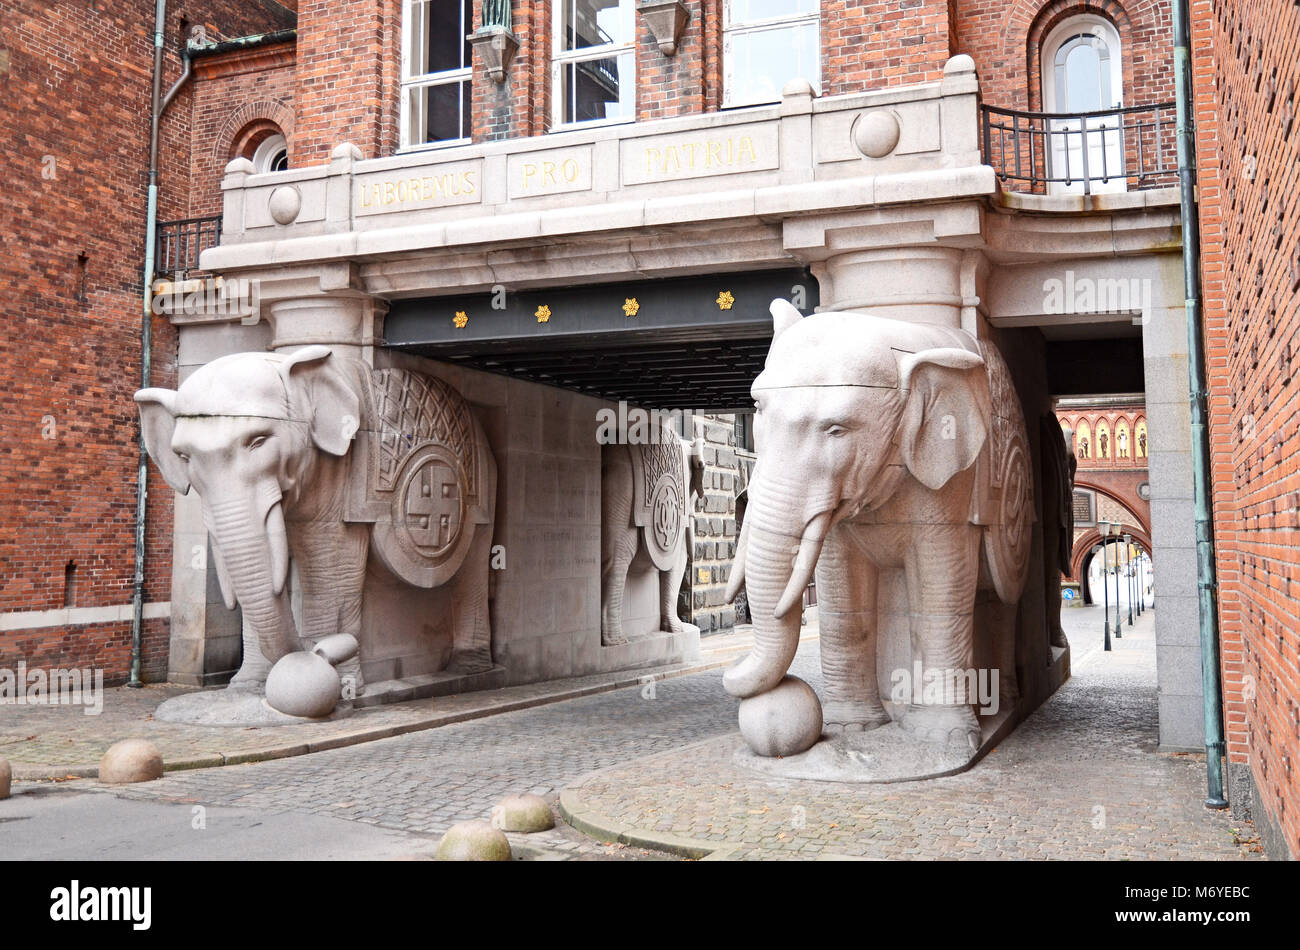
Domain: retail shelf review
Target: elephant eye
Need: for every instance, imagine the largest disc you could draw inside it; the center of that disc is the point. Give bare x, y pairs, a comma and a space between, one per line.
256, 441
182, 456
835, 429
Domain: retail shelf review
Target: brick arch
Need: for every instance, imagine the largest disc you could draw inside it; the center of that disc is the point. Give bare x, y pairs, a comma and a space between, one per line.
1082, 555
1032, 20
250, 120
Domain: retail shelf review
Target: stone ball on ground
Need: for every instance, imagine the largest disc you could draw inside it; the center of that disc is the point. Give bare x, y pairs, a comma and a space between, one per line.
6, 777
526, 813
786, 720
131, 760
303, 684
473, 841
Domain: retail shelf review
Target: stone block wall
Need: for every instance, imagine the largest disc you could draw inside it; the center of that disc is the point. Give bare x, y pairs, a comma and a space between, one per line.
713, 547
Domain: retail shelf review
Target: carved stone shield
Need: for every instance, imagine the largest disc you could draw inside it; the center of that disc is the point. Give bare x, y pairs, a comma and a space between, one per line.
659, 497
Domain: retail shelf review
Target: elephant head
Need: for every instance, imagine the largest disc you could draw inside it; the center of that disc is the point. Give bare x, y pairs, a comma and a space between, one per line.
847, 407
247, 432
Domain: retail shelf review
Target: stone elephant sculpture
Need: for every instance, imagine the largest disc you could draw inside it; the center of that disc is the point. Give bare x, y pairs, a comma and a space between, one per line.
881, 444
321, 461
645, 506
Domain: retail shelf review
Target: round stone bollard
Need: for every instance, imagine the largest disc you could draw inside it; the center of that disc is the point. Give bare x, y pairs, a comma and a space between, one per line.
526, 813
131, 760
786, 720
6, 777
473, 841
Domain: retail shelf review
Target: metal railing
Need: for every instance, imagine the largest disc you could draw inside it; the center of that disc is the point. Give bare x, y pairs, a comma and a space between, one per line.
181, 242
1082, 152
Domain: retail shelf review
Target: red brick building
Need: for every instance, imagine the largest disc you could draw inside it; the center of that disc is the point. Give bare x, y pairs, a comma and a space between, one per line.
1249, 169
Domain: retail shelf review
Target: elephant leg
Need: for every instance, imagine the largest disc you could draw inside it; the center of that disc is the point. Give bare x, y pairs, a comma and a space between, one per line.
618, 541
846, 606
942, 570
254, 666
471, 650
670, 585
331, 560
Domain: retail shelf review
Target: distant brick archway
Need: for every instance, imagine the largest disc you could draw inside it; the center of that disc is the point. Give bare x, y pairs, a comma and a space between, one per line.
249, 125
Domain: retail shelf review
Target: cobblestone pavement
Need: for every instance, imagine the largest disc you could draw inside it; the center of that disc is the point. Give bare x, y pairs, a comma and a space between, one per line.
52, 741
1081, 778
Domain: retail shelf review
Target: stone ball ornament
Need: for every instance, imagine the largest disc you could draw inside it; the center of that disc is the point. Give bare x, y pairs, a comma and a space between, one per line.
473, 841
284, 204
786, 720
130, 761
876, 134
306, 684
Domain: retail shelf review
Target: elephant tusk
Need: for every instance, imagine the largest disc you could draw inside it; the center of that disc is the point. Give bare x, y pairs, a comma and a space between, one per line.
278, 539
737, 566
810, 549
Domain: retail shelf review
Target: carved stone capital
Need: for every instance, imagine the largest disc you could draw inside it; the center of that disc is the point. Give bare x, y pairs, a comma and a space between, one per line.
666, 19
497, 47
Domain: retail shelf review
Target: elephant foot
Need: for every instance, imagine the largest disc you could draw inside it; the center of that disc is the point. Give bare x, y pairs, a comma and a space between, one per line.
612, 636
842, 717
251, 679
478, 660
941, 724
672, 625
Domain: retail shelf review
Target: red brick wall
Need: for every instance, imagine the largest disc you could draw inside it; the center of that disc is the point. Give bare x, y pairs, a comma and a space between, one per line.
348, 74
1247, 77
871, 44
232, 96
76, 83
674, 85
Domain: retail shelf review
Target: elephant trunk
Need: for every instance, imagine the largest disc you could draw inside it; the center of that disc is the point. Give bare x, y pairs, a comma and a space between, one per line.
253, 564
777, 564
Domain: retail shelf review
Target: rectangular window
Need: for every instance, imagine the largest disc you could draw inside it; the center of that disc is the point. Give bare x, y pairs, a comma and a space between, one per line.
765, 44
594, 61
436, 67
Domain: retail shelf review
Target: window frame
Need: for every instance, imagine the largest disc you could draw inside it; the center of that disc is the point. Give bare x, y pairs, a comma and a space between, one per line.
409, 83
731, 27
1067, 31
560, 58
264, 154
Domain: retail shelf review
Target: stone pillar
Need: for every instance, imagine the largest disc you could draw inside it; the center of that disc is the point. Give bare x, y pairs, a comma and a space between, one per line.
714, 547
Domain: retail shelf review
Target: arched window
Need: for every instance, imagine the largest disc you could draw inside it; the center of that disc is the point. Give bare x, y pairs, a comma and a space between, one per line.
1083, 73
272, 154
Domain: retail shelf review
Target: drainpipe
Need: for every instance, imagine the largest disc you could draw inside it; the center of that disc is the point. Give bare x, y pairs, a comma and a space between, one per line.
158, 104
1206, 579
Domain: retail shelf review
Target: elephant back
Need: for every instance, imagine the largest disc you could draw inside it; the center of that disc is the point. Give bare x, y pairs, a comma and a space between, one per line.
659, 496
424, 474
1008, 536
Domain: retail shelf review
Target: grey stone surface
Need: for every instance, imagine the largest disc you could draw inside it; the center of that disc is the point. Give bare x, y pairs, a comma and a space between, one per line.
130, 761
238, 708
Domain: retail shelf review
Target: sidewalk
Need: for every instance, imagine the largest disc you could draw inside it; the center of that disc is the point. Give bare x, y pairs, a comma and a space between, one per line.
1081, 778
60, 742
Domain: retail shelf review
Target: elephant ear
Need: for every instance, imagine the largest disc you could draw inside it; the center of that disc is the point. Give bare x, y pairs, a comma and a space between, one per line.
334, 406
157, 423
947, 414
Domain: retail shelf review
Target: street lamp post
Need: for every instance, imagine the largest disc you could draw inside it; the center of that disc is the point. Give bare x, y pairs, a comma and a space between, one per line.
1104, 528
1128, 568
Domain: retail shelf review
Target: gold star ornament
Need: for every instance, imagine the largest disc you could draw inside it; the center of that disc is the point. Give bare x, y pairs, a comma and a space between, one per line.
725, 300
630, 307
543, 314
460, 319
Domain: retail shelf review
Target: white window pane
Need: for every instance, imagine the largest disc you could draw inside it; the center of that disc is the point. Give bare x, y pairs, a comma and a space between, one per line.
437, 113
761, 62
585, 23
743, 11
598, 89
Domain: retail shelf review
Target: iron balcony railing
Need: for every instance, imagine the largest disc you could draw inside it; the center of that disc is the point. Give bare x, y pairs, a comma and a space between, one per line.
181, 242
1083, 152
